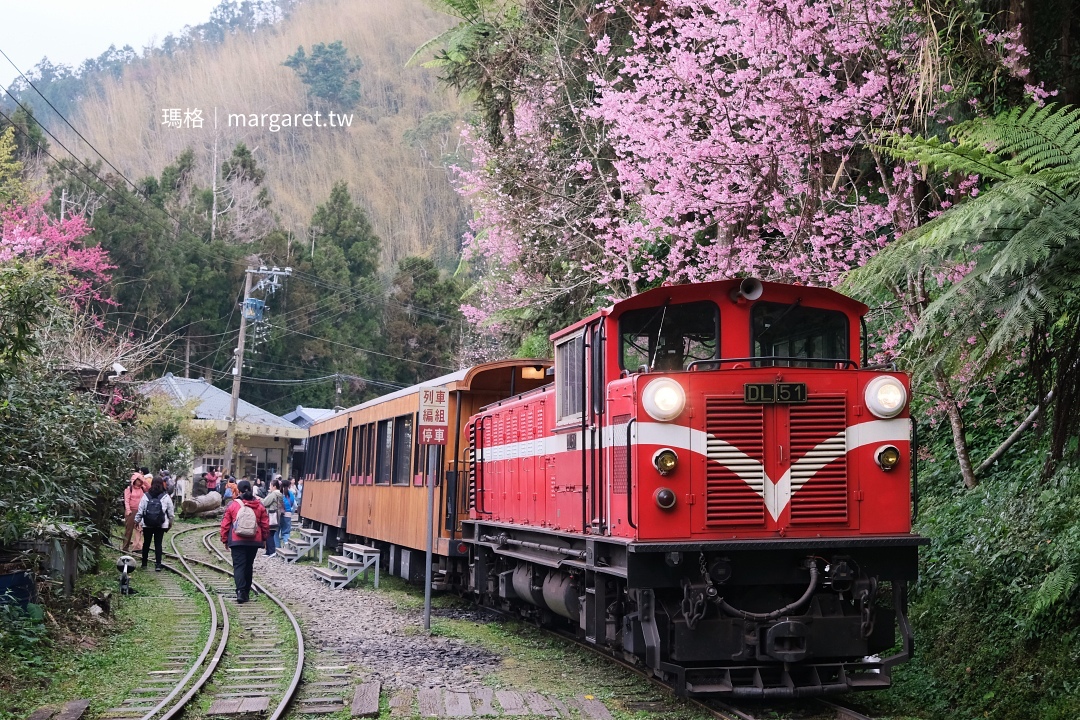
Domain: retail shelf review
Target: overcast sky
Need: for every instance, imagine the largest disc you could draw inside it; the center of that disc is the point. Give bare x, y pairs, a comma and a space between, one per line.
69, 31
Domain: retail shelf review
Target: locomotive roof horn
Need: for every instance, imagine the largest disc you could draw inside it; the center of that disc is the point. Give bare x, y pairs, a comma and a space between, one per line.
748, 289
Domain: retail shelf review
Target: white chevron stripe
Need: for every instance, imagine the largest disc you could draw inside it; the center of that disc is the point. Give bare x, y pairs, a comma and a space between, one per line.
776, 494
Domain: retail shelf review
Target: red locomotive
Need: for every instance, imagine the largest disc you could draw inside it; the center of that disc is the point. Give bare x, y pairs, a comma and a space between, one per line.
712, 484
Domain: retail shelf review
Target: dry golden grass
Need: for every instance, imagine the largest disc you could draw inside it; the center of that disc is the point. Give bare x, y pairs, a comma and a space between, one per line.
408, 193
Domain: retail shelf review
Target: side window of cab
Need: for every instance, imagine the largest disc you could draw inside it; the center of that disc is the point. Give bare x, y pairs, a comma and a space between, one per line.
569, 379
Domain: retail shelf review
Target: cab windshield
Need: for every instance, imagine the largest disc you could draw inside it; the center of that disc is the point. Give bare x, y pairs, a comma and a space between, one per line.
791, 335
669, 337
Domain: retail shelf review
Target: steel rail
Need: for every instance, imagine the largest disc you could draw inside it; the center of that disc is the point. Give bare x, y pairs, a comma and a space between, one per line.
843, 713
295, 683
724, 713
211, 634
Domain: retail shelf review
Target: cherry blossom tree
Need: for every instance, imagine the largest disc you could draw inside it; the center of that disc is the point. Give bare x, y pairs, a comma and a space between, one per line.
27, 233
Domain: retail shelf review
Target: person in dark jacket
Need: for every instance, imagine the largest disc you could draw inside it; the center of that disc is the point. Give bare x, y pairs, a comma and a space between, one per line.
244, 549
152, 530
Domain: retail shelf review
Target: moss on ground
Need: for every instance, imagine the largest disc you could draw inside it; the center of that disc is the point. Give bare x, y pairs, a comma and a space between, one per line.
105, 659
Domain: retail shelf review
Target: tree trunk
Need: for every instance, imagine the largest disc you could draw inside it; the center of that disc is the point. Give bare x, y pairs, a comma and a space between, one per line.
956, 423
202, 503
1011, 440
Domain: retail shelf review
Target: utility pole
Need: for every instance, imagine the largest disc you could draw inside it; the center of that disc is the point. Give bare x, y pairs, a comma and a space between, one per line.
269, 282
238, 369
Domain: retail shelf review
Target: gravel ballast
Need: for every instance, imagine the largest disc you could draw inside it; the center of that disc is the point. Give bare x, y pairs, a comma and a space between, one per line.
363, 627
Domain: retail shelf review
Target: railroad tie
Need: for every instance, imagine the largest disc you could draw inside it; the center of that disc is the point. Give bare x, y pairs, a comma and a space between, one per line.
591, 708
457, 704
482, 701
512, 703
401, 703
366, 700
430, 702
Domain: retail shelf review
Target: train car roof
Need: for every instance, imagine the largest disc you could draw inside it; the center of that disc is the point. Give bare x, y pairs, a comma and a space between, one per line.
716, 289
460, 380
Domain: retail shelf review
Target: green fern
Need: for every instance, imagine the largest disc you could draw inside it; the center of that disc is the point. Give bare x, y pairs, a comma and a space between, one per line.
1023, 230
1021, 234
1055, 587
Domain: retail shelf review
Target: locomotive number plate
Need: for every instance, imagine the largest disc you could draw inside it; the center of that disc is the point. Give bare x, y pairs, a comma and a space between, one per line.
771, 393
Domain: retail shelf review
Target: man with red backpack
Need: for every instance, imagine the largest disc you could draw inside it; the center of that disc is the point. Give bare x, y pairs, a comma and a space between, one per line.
244, 530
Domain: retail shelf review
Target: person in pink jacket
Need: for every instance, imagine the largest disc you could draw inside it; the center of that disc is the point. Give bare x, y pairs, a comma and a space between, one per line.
133, 495
244, 549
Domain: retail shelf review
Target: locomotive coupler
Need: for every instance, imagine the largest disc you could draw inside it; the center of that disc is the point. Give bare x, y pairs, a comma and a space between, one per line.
693, 603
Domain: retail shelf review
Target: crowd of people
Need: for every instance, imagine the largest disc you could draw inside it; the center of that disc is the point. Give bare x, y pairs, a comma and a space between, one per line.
257, 515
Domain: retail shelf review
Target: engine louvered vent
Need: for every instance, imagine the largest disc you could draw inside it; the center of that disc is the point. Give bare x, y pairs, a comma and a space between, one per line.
735, 475
819, 448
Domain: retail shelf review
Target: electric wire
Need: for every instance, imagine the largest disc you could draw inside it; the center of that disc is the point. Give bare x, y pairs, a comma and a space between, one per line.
311, 279
357, 292
61, 116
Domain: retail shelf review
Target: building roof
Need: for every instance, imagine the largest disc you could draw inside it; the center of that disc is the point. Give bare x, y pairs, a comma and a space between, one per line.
304, 417
213, 402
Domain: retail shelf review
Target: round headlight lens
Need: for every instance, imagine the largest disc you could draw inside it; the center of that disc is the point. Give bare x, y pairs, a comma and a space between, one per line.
886, 397
888, 457
665, 461
664, 399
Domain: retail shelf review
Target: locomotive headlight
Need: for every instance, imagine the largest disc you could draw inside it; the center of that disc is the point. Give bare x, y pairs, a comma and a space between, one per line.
664, 399
665, 461
665, 498
886, 397
887, 456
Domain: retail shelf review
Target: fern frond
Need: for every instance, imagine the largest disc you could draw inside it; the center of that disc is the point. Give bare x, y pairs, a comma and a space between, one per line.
945, 156
1055, 586
1048, 232
1035, 138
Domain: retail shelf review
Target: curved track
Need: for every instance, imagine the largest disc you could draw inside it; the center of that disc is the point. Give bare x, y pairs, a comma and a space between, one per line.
231, 634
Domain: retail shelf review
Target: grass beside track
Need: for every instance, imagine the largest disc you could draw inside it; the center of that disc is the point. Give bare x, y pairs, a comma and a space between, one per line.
534, 659
107, 658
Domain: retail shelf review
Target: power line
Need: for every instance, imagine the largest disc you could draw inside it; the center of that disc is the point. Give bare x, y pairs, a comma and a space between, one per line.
365, 350
314, 280
61, 116
357, 293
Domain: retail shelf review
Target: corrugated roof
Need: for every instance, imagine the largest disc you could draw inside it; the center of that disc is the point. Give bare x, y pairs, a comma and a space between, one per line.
213, 402
304, 417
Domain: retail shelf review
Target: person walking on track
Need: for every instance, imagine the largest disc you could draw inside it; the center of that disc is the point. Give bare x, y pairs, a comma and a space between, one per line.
274, 508
155, 514
133, 495
244, 529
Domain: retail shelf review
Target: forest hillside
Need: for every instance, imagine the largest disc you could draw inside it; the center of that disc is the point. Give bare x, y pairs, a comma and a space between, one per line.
392, 155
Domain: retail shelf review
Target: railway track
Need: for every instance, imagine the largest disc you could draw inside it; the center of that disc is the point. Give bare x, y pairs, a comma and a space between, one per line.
813, 709
241, 659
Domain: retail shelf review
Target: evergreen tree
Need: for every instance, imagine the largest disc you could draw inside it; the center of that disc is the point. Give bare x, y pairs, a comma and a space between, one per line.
421, 322
327, 73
